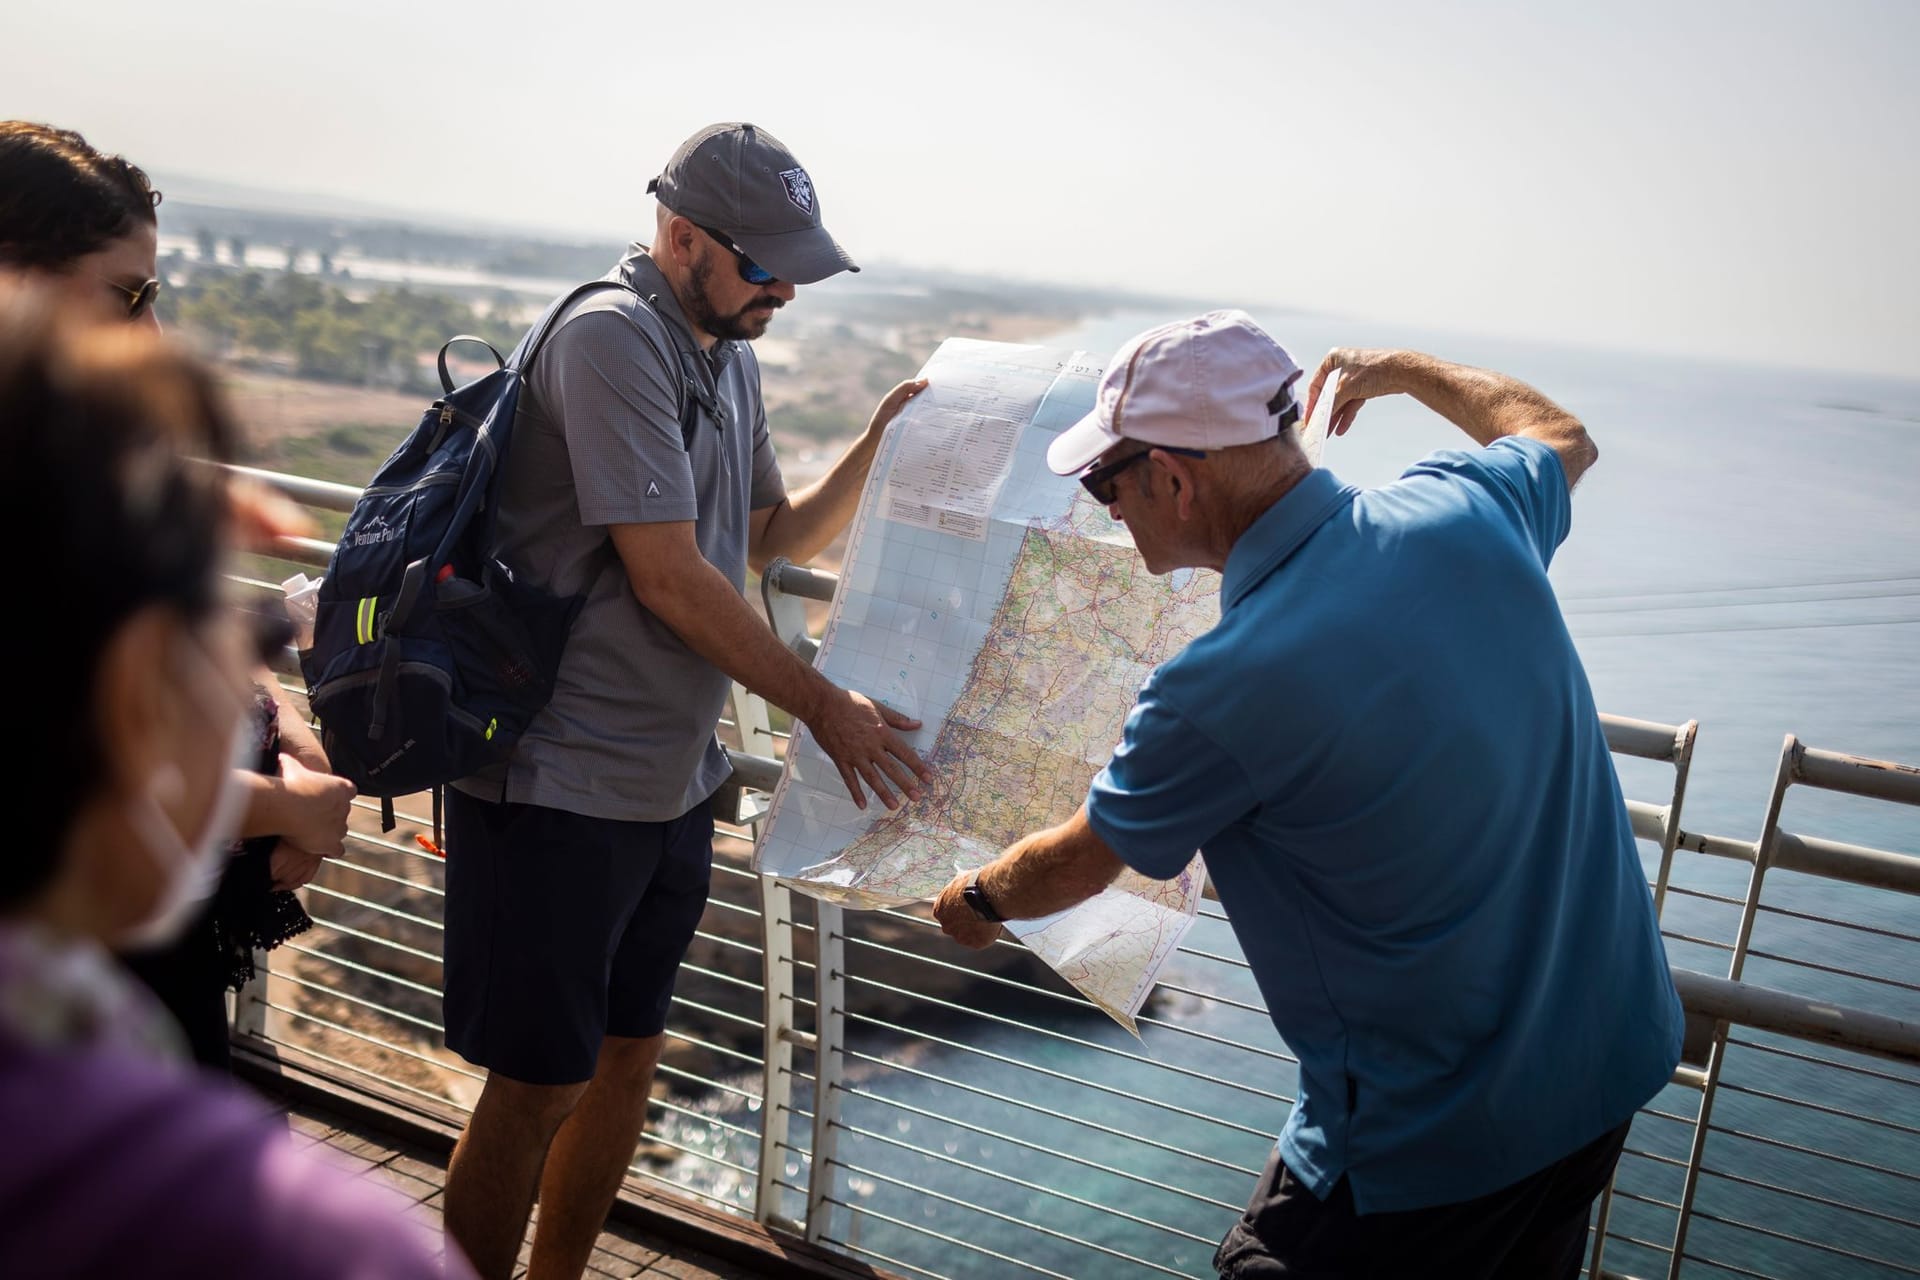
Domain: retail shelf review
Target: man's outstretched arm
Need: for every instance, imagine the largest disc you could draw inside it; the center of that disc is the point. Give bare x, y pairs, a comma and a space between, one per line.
1036, 876
677, 584
1484, 404
801, 524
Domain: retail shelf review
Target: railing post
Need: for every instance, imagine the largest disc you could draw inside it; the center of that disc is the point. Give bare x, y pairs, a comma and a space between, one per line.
1681, 756
1670, 828
250, 1005
786, 612
830, 1025
1762, 858
776, 1081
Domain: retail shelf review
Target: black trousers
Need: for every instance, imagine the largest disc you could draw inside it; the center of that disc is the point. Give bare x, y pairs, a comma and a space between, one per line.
1535, 1229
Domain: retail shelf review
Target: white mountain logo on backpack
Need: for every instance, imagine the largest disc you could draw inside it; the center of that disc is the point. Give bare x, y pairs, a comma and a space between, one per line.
376, 530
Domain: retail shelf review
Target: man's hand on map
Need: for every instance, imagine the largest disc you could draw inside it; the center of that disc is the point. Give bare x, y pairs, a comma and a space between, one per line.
1352, 376
891, 404
858, 735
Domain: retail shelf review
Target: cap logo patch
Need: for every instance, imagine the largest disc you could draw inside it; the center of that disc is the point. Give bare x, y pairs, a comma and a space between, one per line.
799, 189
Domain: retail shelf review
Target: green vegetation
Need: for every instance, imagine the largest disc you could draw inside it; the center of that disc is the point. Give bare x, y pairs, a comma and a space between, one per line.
344, 455
388, 339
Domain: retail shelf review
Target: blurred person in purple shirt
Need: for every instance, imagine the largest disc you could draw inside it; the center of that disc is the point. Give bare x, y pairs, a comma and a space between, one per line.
118, 1157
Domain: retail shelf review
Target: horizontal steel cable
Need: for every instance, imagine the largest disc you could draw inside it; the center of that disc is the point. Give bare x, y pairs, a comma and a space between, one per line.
719, 1086
685, 1150
362, 1001
351, 932
944, 1238
1007, 1218
863, 1251
1833, 1249
1641, 1197
1091, 1126
360, 868
1717, 1265
998, 1136
1229, 1001
1853, 1162
1671, 1161
1816, 966
1110, 1090
1825, 1201
387, 1045
712, 1122
1682, 891
995, 1174
1821, 1107
729, 943
1855, 925
409, 917
714, 1011
718, 976
709, 1046
357, 967
1855, 1068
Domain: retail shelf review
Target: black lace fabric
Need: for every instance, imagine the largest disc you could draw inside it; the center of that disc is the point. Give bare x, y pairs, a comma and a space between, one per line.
248, 913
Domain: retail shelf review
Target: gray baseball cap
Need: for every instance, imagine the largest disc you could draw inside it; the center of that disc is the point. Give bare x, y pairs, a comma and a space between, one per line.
739, 179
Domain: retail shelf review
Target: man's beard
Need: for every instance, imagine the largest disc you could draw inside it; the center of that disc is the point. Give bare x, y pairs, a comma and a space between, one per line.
744, 325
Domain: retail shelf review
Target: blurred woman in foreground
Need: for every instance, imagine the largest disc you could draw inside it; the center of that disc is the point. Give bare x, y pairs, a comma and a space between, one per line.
130, 703
81, 223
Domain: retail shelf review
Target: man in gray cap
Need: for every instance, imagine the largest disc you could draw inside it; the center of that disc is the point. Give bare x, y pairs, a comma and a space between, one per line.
641, 477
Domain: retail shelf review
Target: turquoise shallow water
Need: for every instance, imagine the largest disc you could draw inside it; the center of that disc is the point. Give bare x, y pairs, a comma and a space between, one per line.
1747, 554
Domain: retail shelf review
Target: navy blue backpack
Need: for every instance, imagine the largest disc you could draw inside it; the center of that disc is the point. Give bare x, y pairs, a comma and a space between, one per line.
429, 658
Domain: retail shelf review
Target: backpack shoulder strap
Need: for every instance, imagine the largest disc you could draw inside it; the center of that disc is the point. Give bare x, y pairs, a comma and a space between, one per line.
522, 357
690, 393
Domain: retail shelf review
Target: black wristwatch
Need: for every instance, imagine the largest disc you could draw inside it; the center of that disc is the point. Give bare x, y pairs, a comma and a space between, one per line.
977, 899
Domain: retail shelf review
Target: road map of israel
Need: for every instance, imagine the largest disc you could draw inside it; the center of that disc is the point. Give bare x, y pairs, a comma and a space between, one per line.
1001, 606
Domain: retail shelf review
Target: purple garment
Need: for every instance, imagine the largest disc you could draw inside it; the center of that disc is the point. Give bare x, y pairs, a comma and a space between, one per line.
113, 1162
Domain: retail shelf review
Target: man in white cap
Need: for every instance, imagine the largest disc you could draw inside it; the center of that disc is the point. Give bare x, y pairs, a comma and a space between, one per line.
1388, 753
641, 478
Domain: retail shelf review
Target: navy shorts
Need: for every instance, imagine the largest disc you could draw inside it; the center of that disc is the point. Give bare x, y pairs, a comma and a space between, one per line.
1535, 1229
564, 929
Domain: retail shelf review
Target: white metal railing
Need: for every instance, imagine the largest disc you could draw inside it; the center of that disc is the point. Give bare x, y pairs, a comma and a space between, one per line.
851, 1078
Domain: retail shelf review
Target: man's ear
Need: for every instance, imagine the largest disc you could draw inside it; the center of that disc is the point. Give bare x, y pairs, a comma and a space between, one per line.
679, 234
1180, 474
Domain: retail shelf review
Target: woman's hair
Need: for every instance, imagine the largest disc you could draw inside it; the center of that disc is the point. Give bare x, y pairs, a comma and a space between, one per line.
60, 199
103, 514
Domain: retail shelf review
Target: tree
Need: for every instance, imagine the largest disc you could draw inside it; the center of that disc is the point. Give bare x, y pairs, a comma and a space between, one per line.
204, 240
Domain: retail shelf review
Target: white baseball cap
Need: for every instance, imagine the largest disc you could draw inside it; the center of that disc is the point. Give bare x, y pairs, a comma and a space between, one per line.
1206, 383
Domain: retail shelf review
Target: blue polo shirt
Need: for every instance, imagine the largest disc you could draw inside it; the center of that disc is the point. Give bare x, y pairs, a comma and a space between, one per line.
1389, 754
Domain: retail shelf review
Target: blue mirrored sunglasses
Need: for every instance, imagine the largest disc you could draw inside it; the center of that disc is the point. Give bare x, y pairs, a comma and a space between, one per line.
750, 271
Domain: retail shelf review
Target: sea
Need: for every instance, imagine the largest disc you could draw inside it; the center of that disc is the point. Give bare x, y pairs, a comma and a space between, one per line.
1745, 554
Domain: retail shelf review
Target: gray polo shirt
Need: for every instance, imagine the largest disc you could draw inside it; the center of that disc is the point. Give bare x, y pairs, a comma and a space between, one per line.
597, 442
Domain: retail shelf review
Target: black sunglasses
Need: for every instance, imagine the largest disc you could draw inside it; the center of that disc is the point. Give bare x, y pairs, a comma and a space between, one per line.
138, 300
750, 271
1099, 481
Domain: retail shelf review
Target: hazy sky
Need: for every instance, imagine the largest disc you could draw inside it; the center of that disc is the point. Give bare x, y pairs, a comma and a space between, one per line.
1733, 180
